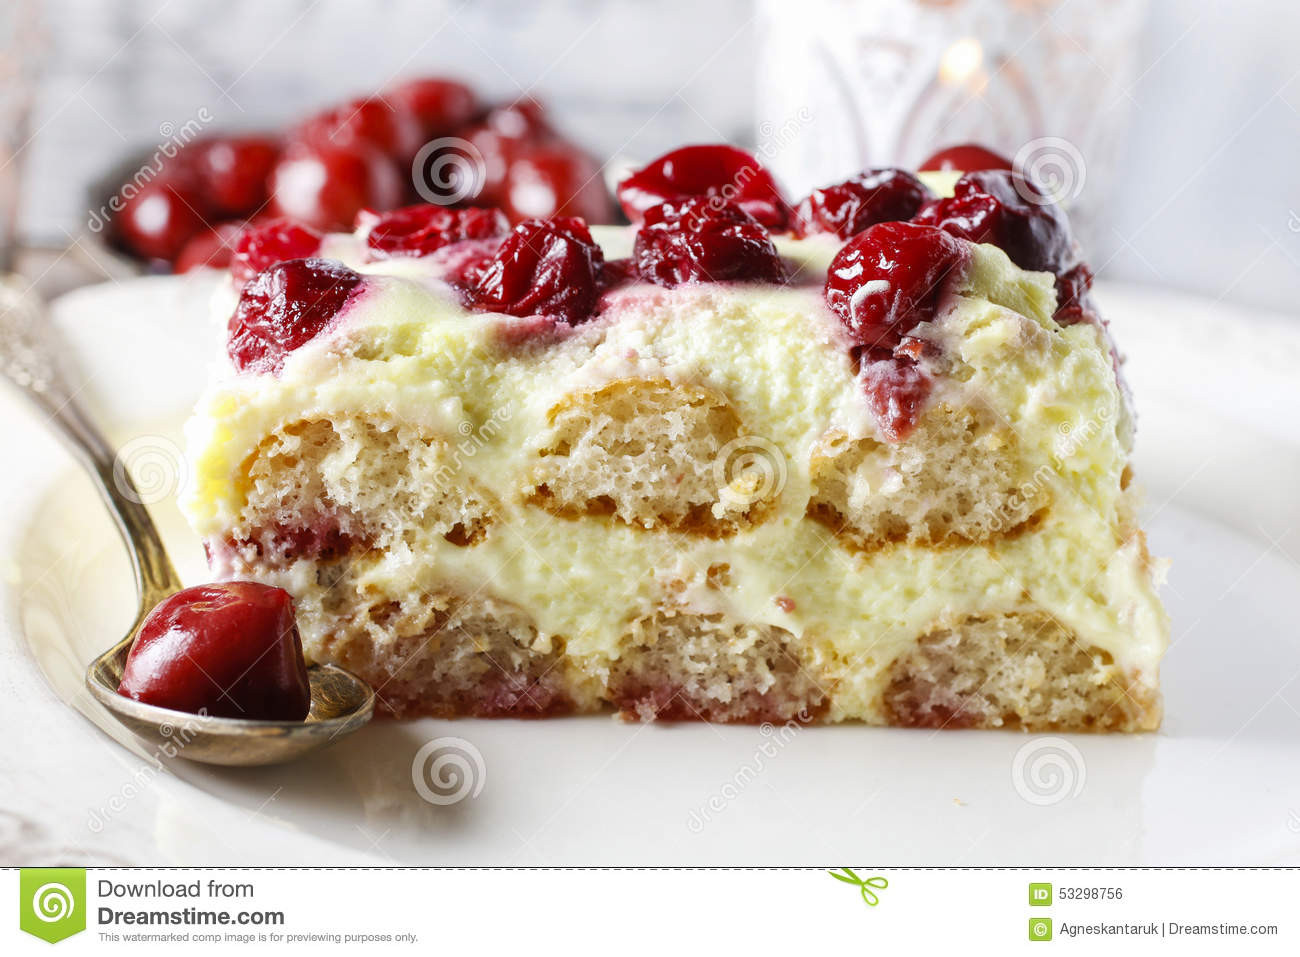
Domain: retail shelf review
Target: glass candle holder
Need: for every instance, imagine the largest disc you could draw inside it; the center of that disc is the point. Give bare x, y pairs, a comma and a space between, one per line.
844, 85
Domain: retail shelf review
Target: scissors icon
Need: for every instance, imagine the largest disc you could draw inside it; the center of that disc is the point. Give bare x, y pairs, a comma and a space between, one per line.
864, 885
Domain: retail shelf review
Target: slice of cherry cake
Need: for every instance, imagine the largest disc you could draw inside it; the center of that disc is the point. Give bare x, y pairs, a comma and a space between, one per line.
860, 457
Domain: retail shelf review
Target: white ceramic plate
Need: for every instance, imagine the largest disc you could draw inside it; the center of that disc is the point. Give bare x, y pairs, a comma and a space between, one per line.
1219, 452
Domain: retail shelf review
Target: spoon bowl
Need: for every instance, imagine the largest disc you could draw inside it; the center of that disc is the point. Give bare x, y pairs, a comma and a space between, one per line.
341, 702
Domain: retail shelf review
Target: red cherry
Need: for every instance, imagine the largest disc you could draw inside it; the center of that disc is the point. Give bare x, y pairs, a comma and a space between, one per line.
1073, 301
285, 307
881, 285
966, 157
325, 187
505, 135
616, 273
233, 171
890, 278
704, 240
719, 171
268, 243
159, 218
498, 153
367, 121
231, 650
555, 181
545, 267
521, 120
212, 248
1009, 211
998, 207
439, 105
873, 196
896, 389
420, 230
319, 537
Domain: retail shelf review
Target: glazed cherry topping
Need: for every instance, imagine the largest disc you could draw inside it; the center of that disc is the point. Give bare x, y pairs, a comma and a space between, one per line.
616, 273
420, 230
1007, 210
284, 307
890, 278
275, 241
158, 220
881, 285
545, 267
873, 196
966, 157
704, 240
212, 248
233, 171
1073, 301
439, 105
326, 186
719, 171
229, 650
896, 389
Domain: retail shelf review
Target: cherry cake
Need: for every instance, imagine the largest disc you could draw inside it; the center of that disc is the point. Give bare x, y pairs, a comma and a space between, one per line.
858, 456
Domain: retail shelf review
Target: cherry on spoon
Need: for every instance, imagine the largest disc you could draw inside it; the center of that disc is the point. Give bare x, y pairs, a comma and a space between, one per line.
340, 701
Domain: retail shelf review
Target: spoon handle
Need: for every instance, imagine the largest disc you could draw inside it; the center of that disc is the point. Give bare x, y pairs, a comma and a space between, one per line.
29, 358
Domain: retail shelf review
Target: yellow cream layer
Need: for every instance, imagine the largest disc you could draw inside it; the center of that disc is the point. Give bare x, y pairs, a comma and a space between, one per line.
408, 351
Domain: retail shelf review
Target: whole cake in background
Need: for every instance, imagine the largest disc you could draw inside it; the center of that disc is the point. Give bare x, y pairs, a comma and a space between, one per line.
859, 457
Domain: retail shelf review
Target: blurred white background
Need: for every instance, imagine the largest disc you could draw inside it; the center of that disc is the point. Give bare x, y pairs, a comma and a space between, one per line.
1207, 195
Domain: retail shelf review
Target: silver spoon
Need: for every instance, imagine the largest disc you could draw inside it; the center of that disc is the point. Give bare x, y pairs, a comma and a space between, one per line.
340, 701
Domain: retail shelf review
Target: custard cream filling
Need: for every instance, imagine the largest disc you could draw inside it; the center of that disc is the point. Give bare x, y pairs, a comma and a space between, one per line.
408, 351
